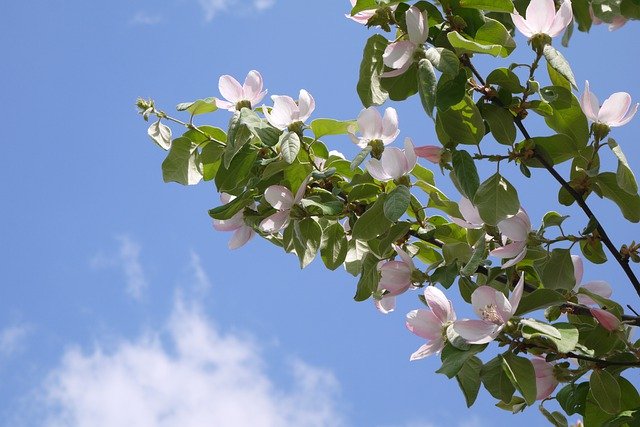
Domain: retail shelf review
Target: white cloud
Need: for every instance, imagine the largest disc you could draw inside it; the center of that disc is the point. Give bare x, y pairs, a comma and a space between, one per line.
128, 259
201, 281
211, 8
188, 374
12, 339
144, 18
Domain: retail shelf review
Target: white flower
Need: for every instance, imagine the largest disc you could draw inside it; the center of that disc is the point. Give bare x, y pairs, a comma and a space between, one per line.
242, 232
542, 18
615, 111
375, 127
394, 162
286, 111
251, 91
399, 55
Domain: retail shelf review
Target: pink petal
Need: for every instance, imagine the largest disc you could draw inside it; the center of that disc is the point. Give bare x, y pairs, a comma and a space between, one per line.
470, 212
395, 277
275, 222
301, 190
615, 108
510, 250
226, 197
545, 381
561, 19
476, 331
306, 105
439, 304
225, 105
386, 304
578, 269
394, 162
284, 112
589, 103
230, 224
375, 169
370, 123
430, 152
397, 55
424, 324
398, 72
516, 295
521, 25
416, 25
464, 224
240, 237
515, 260
433, 347
252, 87
627, 118
607, 319
598, 287
279, 197
486, 298
389, 126
410, 155
517, 227
540, 14
230, 89
405, 257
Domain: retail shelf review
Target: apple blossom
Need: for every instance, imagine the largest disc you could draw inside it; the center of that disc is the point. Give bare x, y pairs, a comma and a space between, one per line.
494, 309
242, 232
516, 229
598, 287
608, 320
399, 55
319, 162
286, 111
360, 17
541, 18
375, 127
283, 201
546, 382
470, 214
431, 324
394, 162
249, 93
614, 111
395, 279
432, 153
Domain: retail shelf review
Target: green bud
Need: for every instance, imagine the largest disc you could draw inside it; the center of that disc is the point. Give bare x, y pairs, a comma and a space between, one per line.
600, 131
243, 104
404, 180
539, 41
377, 148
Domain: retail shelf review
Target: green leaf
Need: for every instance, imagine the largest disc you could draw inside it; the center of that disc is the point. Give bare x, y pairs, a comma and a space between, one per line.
557, 79
538, 299
465, 171
403, 86
160, 134
369, 87
335, 246
558, 148
237, 136
567, 117
233, 207
569, 337
324, 127
495, 380
469, 380
397, 203
369, 278
373, 222
521, 373
360, 157
307, 238
493, 33
427, 86
210, 159
556, 418
559, 63
501, 123
201, 106
605, 391
629, 204
593, 251
506, 79
462, 123
477, 257
624, 175
572, 398
553, 219
489, 5
289, 146
532, 328
556, 271
496, 199
453, 359
182, 164
464, 45
444, 60
238, 173
451, 90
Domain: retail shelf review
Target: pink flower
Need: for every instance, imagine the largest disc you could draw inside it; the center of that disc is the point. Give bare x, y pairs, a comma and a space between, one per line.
542, 18
614, 111
598, 287
494, 309
242, 232
431, 324
608, 320
546, 382
286, 111
516, 229
395, 279
375, 127
430, 152
251, 91
283, 201
394, 162
399, 55
470, 214
360, 17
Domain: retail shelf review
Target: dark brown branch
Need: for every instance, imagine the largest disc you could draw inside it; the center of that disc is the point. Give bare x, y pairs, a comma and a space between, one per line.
583, 310
602, 362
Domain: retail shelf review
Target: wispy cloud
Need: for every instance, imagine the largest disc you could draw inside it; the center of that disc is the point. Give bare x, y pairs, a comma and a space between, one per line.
188, 374
128, 259
201, 281
145, 18
12, 339
212, 8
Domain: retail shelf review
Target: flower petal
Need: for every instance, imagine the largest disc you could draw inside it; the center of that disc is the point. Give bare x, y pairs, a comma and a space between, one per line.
386, 304
395, 277
615, 108
510, 250
275, 222
470, 212
521, 25
424, 324
607, 319
306, 105
517, 259
488, 302
389, 130
545, 381
405, 257
626, 119
578, 269
370, 123
598, 287
394, 162
230, 224
230, 89
397, 55
561, 19
279, 197
476, 331
517, 227
240, 237
301, 190
589, 103
439, 304
431, 153
516, 295
284, 112
418, 31
375, 169
252, 87
540, 14
410, 155
432, 347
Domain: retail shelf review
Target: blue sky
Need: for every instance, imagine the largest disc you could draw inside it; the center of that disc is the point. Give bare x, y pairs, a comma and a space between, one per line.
120, 305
